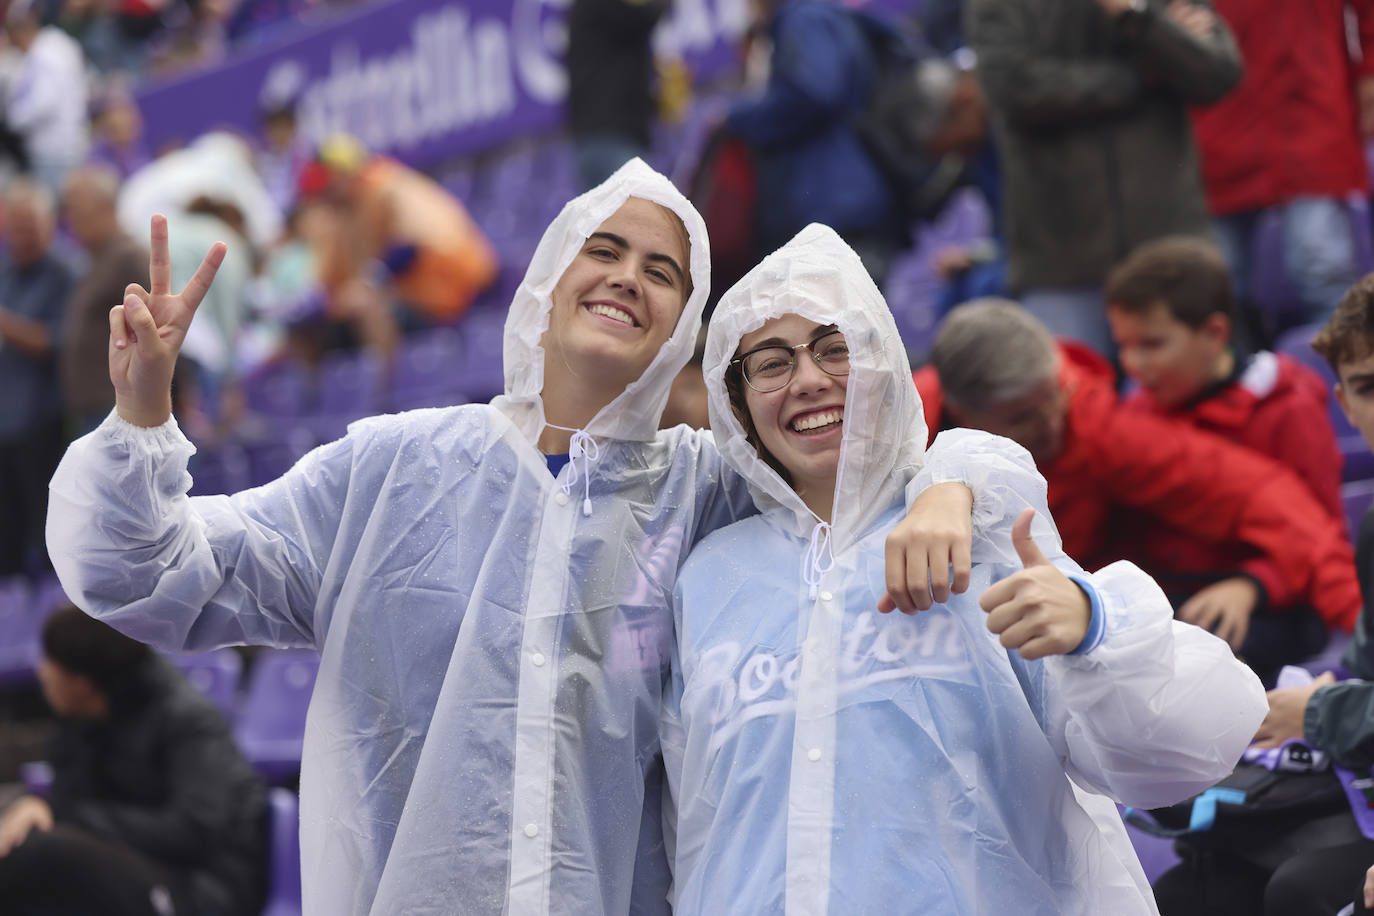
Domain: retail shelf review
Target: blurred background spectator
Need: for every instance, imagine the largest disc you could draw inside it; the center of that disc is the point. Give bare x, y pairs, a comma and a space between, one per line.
1290, 139
150, 803
1096, 150
46, 99
813, 165
113, 261
611, 104
34, 286
284, 152
118, 129
384, 235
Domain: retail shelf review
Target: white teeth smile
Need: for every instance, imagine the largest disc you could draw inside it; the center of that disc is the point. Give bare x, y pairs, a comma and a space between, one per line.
816, 421
612, 312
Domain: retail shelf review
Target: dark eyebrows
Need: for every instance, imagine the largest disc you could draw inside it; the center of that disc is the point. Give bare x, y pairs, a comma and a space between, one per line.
779, 342
610, 237
770, 342
620, 243
681, 277
1359, 379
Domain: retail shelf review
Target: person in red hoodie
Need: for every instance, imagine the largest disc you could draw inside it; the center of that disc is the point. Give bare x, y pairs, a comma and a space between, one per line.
1290, 138
1110, 471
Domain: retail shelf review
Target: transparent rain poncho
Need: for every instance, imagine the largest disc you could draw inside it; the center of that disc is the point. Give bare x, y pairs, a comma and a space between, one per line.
826, 759
493, 639
492, 656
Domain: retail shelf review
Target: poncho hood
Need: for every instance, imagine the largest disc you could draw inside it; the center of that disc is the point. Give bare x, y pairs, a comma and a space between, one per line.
635, 413
816, 275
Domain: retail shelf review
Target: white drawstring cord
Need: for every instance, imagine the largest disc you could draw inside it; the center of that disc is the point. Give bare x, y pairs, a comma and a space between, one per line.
819, 558
583, 446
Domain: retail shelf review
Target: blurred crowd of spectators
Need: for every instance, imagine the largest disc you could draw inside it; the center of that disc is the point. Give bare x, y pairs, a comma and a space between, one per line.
330, 246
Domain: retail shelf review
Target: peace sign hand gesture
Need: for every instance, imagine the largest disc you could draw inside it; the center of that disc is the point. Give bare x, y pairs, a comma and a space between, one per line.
147, 330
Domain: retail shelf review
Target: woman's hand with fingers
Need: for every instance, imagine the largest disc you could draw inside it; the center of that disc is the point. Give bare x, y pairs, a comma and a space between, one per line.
928, 553
147, 329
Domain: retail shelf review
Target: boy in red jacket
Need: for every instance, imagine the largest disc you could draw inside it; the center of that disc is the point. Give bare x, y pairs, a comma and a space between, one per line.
1170, 308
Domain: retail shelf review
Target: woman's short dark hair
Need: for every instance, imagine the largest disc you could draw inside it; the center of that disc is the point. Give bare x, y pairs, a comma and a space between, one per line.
85, 646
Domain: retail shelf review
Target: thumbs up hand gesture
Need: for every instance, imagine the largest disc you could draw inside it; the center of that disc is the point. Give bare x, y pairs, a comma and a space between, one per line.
1038, 611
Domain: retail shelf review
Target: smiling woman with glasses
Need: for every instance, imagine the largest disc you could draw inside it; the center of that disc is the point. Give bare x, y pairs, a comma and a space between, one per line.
823, 757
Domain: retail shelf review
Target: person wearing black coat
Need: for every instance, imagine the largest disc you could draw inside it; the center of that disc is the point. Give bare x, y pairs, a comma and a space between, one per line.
611, 102
152, 809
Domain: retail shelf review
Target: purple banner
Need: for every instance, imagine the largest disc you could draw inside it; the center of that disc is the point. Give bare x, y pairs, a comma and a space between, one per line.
424, 80
420, 79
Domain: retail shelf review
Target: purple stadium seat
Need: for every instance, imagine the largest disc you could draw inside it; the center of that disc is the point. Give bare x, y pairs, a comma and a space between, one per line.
556, 182
1359, 462
350, 383
1271, 289
271, 721
21, 621
351, 387
284, 849
913, 287
277, 450
427, 370
222, 469
1330, 658
1356, 496
279, 389
216, 674
480, 377
48, 595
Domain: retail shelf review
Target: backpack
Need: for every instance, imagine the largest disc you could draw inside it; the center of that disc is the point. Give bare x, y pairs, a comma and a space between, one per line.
1257, 815
895, 123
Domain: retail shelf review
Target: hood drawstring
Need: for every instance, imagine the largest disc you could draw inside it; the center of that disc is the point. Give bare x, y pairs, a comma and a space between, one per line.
585, 447
819, 558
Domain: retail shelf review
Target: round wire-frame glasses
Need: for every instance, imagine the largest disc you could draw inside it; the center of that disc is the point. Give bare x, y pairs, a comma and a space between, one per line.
771, 367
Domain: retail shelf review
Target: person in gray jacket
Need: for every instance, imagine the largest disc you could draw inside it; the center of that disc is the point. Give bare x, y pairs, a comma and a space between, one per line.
1089, 102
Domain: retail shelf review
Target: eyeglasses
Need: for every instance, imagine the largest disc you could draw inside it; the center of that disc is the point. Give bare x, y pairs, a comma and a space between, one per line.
770, 368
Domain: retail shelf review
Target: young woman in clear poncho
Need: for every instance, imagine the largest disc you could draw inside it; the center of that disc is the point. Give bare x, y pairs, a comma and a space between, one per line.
827, 759
493, 622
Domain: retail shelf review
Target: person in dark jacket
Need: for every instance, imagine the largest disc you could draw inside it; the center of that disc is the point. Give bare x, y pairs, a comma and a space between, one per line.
152, 808
1089, 103
34, 285
812, 165
611, 104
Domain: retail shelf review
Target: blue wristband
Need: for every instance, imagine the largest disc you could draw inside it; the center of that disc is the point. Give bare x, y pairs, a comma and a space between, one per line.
1097, 623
